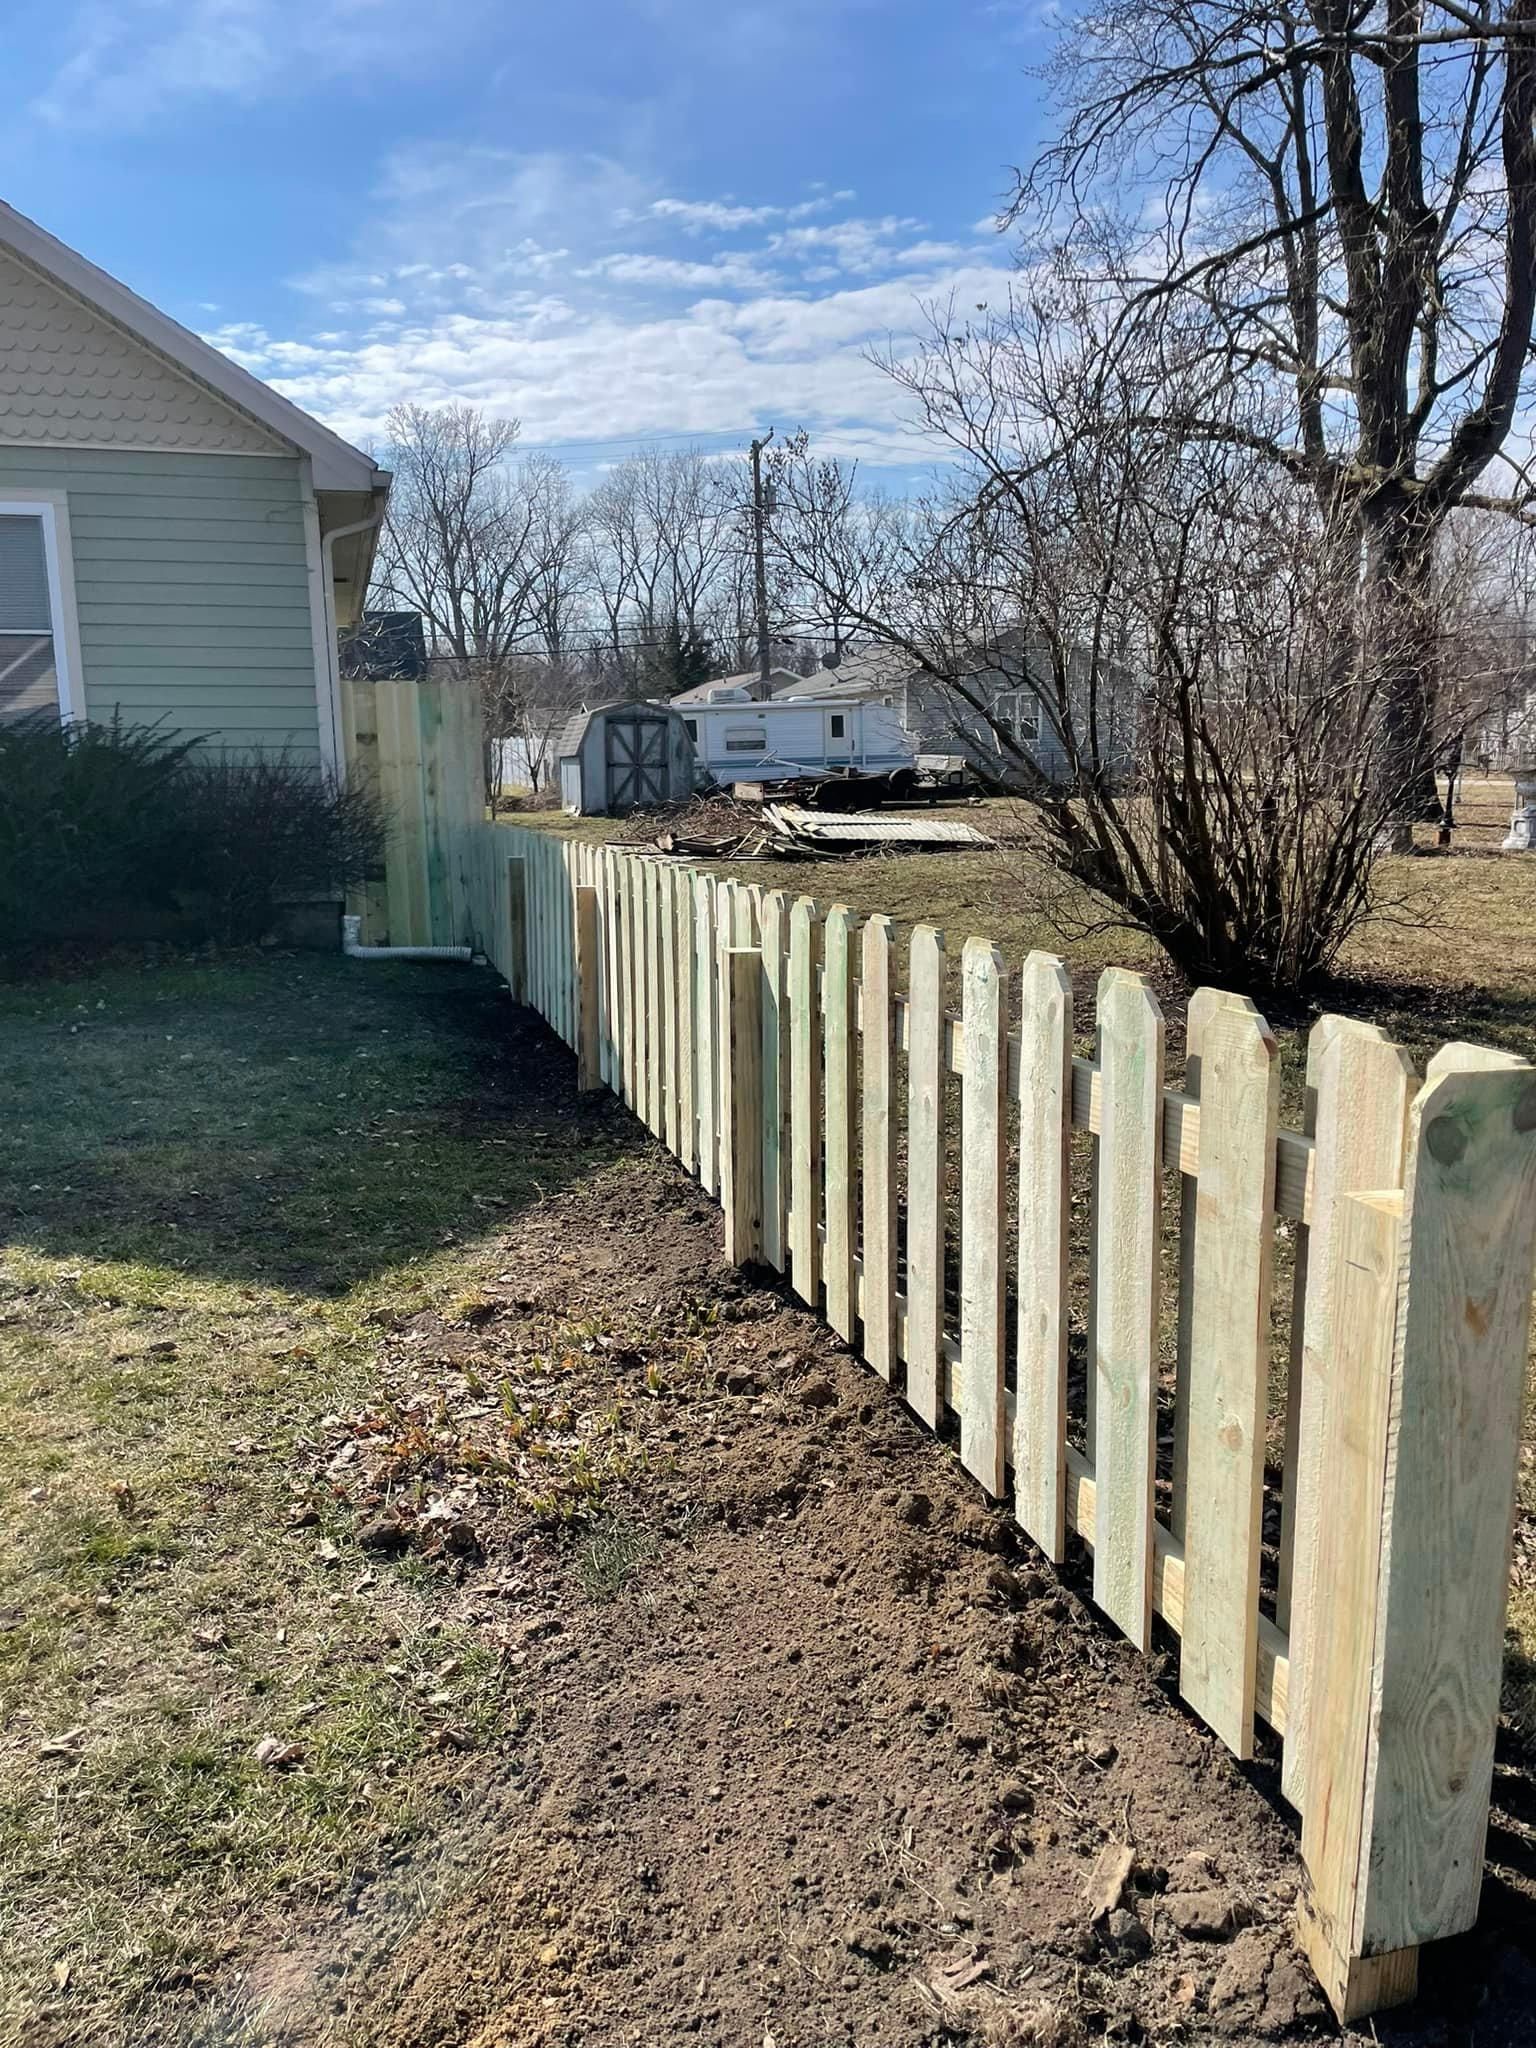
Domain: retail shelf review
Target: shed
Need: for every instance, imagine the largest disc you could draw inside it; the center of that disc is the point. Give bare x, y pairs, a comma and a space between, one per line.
623, 757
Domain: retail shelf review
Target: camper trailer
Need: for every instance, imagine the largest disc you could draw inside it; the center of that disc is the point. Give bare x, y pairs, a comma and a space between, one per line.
739, 738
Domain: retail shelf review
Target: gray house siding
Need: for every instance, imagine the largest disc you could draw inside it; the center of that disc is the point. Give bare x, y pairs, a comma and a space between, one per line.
192, 590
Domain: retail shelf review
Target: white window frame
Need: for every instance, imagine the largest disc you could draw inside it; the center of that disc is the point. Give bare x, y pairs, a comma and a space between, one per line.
52, 508
1006, 709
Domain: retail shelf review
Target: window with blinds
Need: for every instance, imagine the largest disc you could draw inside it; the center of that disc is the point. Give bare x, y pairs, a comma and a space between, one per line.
28, 671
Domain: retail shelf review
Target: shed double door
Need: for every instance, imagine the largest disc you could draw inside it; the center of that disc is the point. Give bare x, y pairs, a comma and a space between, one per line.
637, 762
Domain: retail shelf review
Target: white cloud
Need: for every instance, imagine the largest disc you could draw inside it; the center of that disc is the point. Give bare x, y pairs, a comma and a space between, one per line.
862, 246
548, 288
130, 60
726, 273
724, 216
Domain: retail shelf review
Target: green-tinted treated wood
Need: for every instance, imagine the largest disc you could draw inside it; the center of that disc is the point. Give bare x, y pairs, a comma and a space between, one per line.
1229, 1371
925, 1174
666, 911
983, 1213
1045, 1132
1203, 1005
878, 1161
838, 1146
741, 1153
805, 1101
774, 917
1469, 1240
588, 974
707, 1071
687, 1112
1361, 1086
1126, 1277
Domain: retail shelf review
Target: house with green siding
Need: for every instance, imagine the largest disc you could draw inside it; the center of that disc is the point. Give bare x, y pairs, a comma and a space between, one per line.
178, 543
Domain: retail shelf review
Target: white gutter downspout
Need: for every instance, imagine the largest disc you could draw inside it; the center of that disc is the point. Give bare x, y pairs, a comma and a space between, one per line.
351, 926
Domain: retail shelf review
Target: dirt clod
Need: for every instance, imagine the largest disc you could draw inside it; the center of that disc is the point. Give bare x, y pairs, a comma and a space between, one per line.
1202, 1916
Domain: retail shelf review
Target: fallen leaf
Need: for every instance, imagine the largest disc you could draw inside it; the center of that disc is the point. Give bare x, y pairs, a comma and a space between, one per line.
61, 1975
210, 1639
278, 1755
1110, 1875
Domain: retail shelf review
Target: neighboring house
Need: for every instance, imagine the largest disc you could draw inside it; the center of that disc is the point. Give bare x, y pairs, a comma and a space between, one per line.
385, 647
178, 543
938, 720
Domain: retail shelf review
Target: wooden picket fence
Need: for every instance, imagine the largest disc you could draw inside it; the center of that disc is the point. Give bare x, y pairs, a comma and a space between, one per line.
778, 1052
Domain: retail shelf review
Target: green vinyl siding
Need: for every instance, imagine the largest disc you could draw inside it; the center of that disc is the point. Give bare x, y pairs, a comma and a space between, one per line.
191, 590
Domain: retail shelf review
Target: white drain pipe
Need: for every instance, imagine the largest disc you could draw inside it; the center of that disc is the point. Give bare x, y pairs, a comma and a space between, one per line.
351, 926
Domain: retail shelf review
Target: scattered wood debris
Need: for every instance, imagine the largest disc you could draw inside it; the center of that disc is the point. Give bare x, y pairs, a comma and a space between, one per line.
722, 830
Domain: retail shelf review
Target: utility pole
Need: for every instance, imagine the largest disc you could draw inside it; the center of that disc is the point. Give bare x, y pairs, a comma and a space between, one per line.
759, 517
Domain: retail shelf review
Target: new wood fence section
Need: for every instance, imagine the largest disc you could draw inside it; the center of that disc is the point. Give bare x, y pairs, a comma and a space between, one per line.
908, 1161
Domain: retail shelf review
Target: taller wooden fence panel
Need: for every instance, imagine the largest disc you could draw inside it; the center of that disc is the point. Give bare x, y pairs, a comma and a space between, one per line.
763, 1044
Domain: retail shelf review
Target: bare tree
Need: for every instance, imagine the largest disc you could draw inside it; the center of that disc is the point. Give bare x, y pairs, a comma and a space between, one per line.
1345, 196
1204, 762
664, 539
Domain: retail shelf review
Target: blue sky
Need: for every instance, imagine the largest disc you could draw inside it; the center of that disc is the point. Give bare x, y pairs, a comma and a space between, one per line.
615, 221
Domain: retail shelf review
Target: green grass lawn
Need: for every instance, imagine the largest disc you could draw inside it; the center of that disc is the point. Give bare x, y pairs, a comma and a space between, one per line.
220, 1185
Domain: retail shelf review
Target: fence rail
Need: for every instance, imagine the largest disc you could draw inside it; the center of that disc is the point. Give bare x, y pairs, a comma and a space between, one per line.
910, 1166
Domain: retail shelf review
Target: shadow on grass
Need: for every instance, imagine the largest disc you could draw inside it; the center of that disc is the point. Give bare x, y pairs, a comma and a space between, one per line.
307, 1123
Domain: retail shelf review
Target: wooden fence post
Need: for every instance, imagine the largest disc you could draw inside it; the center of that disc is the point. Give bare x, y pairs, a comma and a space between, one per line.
589, 967
741, 1119
517, 920
1430, 1308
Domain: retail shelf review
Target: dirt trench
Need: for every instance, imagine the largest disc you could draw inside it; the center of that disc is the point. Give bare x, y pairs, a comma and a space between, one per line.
819, 1750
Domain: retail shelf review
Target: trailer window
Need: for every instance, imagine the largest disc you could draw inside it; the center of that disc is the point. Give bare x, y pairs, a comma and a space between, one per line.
745, 739
838, 725
691, 727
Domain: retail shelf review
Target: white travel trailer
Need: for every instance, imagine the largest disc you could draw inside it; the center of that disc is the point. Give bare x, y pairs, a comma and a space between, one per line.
739, 738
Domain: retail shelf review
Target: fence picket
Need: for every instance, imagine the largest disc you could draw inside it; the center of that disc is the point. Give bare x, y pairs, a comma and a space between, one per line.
805, 1101
878, 1160
1203, 1005
838, 1142
707, 1067
1229, 1371
1363, 1088
774, 919
666, 920
682, 921
1127, 1268
983, 1213
925, 1174
1045, 1136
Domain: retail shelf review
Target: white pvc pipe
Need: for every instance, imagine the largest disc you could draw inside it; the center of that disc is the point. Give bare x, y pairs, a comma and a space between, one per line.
351, 926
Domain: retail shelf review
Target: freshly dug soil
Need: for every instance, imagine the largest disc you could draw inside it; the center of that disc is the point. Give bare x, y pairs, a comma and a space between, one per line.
814, 1748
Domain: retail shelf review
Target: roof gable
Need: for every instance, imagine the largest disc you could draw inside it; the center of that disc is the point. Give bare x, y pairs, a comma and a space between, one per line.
85, 360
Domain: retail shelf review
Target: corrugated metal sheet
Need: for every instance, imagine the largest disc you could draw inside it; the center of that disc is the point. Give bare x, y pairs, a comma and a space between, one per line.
863, 826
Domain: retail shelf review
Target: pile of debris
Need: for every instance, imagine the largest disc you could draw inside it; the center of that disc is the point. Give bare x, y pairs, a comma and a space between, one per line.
785, 832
